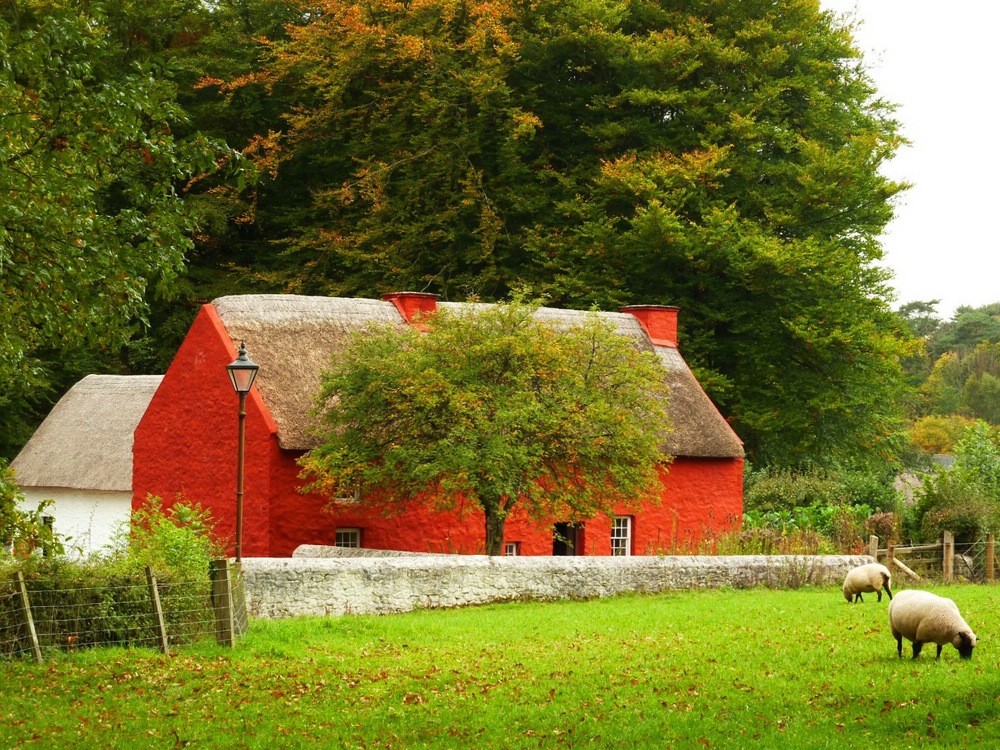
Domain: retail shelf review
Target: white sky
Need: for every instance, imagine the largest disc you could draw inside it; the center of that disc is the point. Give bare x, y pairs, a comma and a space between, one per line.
938, 61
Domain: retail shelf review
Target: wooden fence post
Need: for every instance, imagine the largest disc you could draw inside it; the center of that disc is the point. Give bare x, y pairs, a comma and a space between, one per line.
240, 618
29, 622
873, 546
990, 557
948, 549
159, 624
890, 552
222, 603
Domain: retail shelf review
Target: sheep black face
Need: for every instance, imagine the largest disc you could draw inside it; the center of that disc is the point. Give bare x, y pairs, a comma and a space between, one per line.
965, 645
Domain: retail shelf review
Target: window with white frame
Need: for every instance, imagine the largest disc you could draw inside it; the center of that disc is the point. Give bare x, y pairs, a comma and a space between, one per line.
621, 536
512, 549
347, 538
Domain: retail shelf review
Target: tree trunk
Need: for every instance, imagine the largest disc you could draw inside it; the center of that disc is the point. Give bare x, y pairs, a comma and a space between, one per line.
494, 531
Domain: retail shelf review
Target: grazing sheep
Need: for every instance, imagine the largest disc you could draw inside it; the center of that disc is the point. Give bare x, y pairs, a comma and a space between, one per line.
867, 578
923, 617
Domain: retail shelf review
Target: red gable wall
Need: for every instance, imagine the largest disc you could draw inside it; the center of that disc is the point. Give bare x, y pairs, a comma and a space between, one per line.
186, 446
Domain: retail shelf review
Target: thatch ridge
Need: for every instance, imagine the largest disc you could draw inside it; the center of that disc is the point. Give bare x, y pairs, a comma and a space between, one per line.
85, 442
293, 338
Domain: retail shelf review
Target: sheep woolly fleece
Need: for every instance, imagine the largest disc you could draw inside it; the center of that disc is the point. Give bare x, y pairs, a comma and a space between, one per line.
866, 579
922, 617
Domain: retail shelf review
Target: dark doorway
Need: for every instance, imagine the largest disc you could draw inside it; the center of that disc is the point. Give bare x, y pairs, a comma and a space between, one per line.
567, 539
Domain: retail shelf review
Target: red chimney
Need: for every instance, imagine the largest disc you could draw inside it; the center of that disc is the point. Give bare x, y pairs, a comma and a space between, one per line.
659, 322
413, 304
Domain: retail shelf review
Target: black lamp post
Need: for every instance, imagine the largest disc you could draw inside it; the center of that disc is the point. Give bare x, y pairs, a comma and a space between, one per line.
242, 373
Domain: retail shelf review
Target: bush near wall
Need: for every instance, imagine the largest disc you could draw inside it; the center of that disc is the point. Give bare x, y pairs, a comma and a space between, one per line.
104, 599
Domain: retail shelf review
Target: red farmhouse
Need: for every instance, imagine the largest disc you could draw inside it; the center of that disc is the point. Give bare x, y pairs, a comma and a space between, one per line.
185, 446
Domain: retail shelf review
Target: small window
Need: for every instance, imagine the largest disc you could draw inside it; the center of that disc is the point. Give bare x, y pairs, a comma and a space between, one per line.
621, 536
348, 538
353, 499
512, 549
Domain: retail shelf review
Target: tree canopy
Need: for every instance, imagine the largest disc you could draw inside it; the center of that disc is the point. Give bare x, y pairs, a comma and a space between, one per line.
92, 220
723, 157
495, 409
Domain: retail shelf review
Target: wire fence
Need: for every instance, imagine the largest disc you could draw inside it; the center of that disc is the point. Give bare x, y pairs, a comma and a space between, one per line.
973, 561
37, 617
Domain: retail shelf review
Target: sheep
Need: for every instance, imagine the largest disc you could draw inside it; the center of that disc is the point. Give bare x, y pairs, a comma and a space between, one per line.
867, 578
923, 617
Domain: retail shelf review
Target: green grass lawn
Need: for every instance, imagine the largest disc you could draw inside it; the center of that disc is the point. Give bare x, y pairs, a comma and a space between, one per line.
705, 669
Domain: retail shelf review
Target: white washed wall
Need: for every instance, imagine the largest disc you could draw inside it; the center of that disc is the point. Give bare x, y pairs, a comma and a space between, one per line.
90, 517
357, 585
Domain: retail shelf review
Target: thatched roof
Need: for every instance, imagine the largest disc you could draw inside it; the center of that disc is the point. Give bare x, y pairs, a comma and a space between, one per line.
293, 338
85, 442
699, 429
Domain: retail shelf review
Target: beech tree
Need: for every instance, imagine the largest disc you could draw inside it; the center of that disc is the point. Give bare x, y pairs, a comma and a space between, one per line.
723, 157
494, 408
92, 220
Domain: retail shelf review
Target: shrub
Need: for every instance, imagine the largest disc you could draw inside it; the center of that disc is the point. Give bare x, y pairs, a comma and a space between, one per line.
777, 490
884, 526
178, 542
23, 531
834, 503
103, 599
964, 498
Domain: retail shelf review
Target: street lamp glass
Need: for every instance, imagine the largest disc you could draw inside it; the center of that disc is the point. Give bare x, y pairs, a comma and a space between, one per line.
242, 371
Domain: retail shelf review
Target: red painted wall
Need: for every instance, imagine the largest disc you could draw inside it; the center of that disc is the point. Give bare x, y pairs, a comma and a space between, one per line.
186, 447
701, 496
186, 443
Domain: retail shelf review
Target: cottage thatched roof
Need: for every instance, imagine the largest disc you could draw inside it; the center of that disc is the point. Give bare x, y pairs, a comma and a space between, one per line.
293, 338
85, 442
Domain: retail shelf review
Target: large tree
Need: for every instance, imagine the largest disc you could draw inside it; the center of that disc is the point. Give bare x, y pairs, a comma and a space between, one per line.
495, 408
720, 156
92, 220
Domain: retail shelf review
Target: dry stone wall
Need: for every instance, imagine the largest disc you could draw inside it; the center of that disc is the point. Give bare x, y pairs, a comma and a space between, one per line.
338, 585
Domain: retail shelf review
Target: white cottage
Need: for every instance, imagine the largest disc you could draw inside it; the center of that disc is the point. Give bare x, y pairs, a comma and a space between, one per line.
81, 457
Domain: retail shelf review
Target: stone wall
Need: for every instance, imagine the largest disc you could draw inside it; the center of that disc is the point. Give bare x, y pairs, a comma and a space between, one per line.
285, 587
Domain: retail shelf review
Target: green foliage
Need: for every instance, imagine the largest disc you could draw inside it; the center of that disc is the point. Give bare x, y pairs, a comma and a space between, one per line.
964, 499
771, 489
23, 531
177, 543
843, 506
493, 407
721, 157
966, 384
968, 328
92, 222
921, 317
